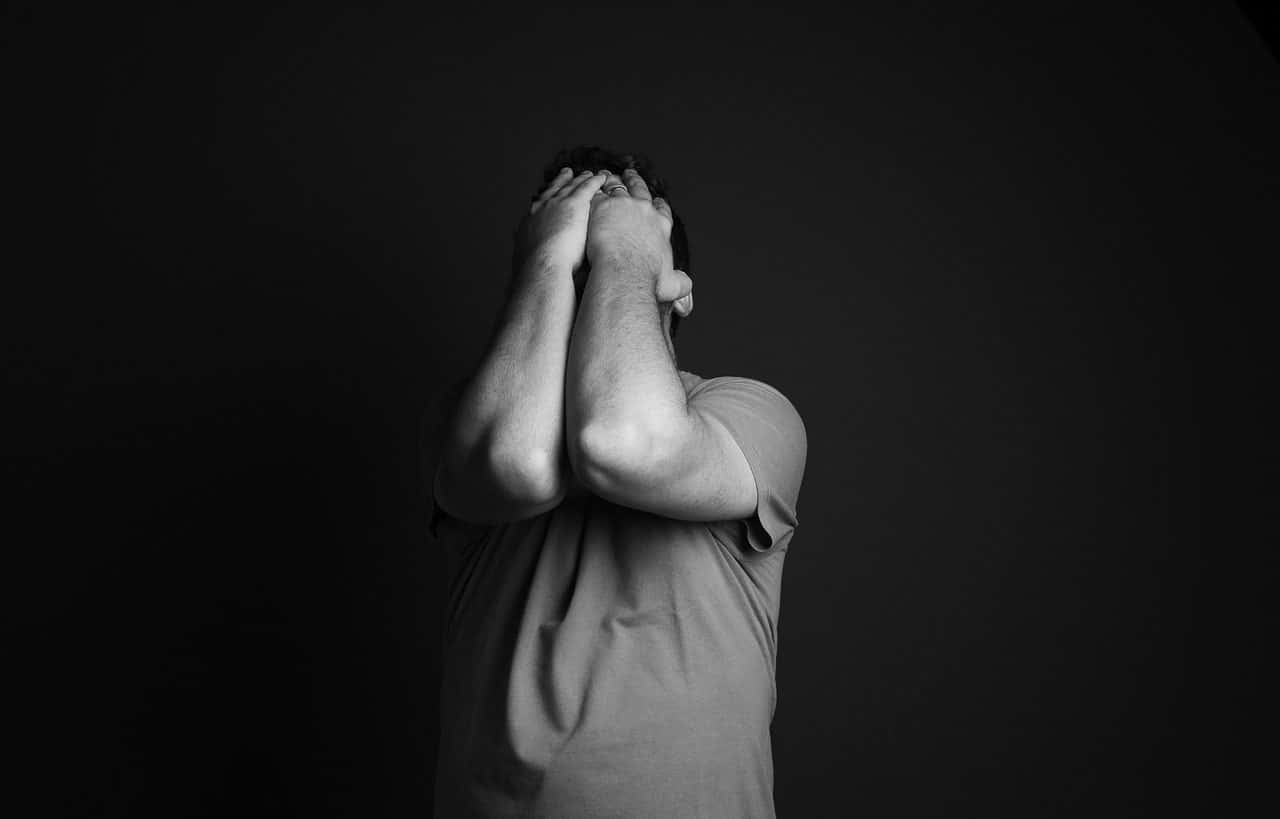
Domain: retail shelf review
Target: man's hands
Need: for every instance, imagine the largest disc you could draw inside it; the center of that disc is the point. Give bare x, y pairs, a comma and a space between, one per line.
573, 219
631, 229
554, 232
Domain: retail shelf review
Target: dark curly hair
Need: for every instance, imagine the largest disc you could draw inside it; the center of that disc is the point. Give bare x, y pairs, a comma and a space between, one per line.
594, 158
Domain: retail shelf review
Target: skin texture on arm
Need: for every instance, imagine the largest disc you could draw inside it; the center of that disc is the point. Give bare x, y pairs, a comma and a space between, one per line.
622, 382
633, 436
503, 456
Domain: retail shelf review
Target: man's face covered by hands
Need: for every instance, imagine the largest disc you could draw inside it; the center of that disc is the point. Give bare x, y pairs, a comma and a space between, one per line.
585, 220
627, 225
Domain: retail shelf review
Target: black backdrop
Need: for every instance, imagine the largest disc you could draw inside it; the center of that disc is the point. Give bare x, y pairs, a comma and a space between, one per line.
981, 249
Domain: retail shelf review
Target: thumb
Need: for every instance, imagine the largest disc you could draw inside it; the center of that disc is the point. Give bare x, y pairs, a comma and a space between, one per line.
684, 306
673, 286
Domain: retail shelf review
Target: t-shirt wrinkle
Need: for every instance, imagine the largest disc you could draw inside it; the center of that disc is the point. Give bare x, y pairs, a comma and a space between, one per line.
605, 661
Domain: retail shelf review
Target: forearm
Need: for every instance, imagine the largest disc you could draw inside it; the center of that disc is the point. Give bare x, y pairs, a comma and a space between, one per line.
622, 388
512, 410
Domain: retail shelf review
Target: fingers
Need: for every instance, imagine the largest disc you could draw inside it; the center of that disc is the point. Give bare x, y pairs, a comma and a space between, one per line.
553, 187
613, 185
668, 221
684, 305
587, 184
572, 187
686, 285
564, 185
635, 184
606, 179
674, 286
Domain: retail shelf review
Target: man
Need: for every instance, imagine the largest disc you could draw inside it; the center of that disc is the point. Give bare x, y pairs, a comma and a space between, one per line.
615, 529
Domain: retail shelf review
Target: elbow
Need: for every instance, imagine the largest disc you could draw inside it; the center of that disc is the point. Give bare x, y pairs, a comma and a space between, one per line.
528, 477
601, 454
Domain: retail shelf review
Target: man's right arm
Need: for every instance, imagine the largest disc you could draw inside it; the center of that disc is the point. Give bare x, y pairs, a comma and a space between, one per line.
502, 454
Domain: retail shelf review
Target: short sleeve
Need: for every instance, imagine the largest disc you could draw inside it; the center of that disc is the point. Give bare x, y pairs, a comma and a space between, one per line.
771, 434
441, 525
437, 517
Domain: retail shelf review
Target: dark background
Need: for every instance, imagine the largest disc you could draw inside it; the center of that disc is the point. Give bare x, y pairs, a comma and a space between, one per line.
1003, 259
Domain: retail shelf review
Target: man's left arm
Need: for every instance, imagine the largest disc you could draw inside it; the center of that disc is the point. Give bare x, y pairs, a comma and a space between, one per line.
633, 437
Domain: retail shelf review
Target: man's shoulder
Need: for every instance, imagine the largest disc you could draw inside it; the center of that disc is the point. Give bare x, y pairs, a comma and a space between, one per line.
697, 383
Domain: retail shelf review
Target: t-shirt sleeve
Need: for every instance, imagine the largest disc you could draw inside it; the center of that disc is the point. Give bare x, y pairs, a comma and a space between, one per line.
771, 434
444, 527
437, 517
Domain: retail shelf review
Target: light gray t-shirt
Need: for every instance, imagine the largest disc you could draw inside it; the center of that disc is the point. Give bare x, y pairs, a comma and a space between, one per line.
601, 661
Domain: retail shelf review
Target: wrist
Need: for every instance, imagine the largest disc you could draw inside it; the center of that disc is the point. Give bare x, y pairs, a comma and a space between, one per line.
630, 263
541, 266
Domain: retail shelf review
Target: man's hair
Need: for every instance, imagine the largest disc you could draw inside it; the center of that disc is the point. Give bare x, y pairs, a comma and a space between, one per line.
594, 158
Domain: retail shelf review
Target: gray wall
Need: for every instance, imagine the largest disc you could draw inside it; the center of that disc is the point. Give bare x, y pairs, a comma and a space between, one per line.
988, 253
